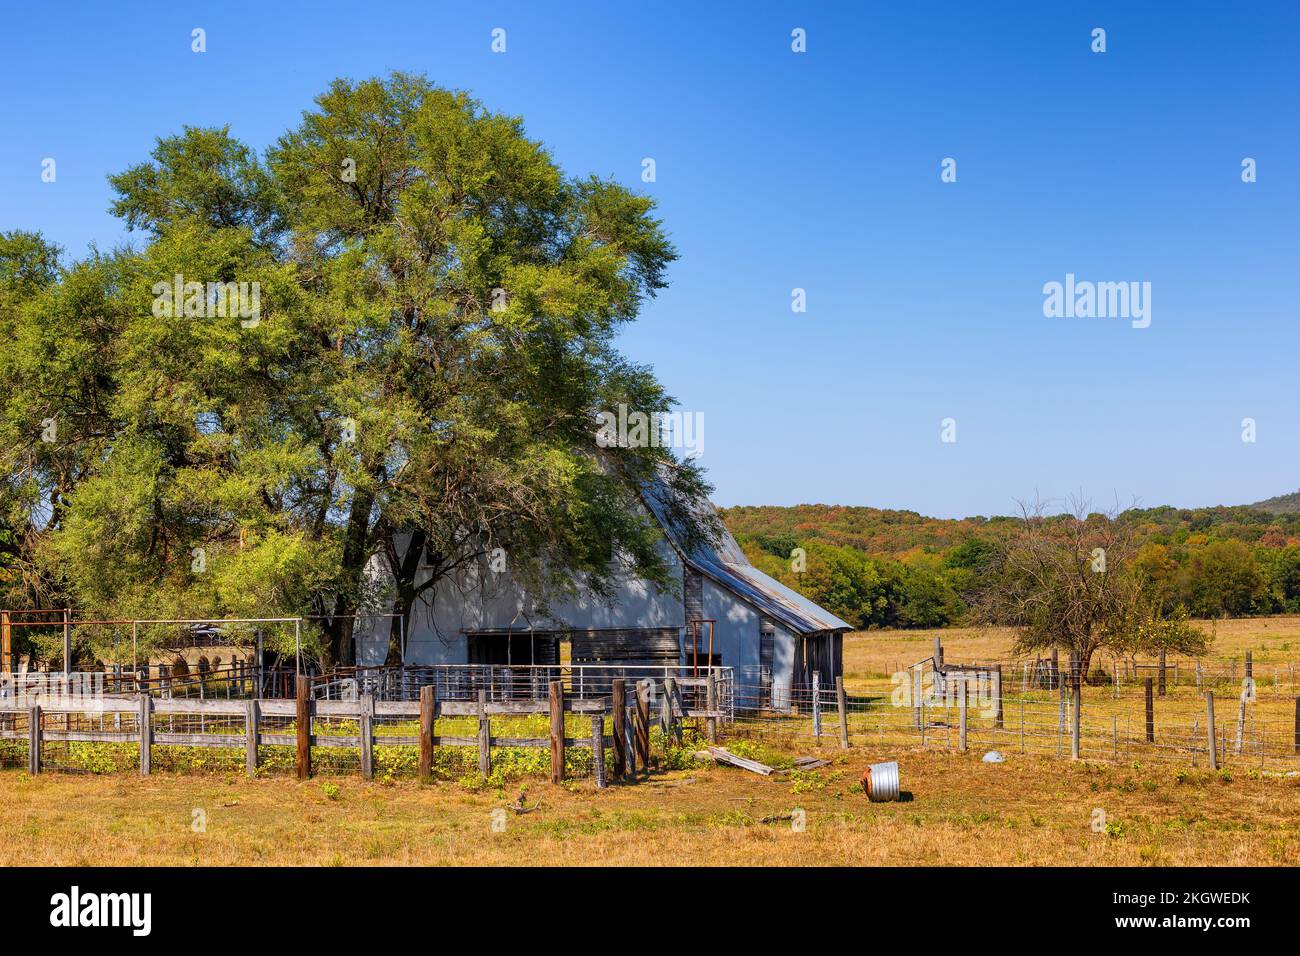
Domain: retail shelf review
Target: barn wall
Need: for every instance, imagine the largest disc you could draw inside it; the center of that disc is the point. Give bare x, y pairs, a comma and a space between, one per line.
783, 655
693, 592
737, 636
478, 599
632, 645
735, 631
436, 635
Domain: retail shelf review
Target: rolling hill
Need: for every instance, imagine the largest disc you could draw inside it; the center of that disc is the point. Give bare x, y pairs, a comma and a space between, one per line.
1280, 505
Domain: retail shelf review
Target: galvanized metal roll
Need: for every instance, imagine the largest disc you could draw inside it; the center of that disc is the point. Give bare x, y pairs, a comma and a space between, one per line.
881, 782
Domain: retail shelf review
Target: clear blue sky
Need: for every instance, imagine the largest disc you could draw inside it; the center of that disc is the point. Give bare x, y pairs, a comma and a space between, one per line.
778, 170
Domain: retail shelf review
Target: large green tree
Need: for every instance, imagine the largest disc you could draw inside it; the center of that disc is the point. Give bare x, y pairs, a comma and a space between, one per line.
417, 385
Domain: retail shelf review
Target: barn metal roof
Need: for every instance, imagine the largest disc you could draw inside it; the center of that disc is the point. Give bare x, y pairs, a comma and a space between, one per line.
725, 563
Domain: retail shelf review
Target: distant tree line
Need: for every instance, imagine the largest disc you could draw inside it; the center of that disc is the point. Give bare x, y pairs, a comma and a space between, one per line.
1225, 562
927, 590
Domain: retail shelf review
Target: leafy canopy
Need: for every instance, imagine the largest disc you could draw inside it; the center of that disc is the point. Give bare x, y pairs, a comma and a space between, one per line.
436, 311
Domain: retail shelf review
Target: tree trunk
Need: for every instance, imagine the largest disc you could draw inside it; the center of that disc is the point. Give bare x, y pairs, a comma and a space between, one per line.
352, 566
1085, 663
404, 573
401, 606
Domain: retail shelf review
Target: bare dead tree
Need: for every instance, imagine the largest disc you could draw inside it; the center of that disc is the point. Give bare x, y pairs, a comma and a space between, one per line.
1066, 581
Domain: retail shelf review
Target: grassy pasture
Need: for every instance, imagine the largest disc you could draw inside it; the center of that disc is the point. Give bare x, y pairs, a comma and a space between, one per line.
871, 655
1034, 809
1029, 811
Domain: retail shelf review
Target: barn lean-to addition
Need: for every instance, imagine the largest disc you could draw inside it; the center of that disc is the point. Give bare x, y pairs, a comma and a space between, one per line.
773, 638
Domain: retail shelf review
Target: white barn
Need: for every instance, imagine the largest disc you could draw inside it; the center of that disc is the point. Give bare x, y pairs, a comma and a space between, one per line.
773, 637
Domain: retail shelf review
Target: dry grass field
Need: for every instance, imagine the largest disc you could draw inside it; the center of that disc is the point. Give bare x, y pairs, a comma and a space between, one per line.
1029, 811
870, 655
1113, 713
1034, 809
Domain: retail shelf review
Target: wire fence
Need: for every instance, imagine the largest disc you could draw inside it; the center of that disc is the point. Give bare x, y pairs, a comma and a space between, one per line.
1120, 674
1010, 706
241, 680
431, 737
1255, 728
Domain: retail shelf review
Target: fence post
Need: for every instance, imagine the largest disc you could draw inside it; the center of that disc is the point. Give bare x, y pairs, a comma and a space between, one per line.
251, 716
1162, 672
671, 696
1250, 666
365, 726
34, 739
841, 703
427, 702
146, 734
618, 704
1209, 731
67, 650
665, 710
1060, 714
643, 723
1151, 713
961, 712
711, 703
1241, 721
557, 732
916, 698
998, 721
817, 708
598, 747
485, 735
303, 694
629, 767
1076, 718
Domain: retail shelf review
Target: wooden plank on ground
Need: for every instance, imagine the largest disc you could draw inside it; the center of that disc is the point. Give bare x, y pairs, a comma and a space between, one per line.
723, 755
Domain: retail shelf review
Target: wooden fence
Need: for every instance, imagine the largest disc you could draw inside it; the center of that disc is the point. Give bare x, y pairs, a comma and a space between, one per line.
630, 739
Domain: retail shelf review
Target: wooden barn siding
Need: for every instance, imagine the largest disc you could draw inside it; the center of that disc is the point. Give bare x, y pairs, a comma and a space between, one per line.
650, 645
694, 595
823, 652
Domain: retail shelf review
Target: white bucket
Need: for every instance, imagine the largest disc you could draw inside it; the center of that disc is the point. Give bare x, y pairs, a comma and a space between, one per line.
881, 782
